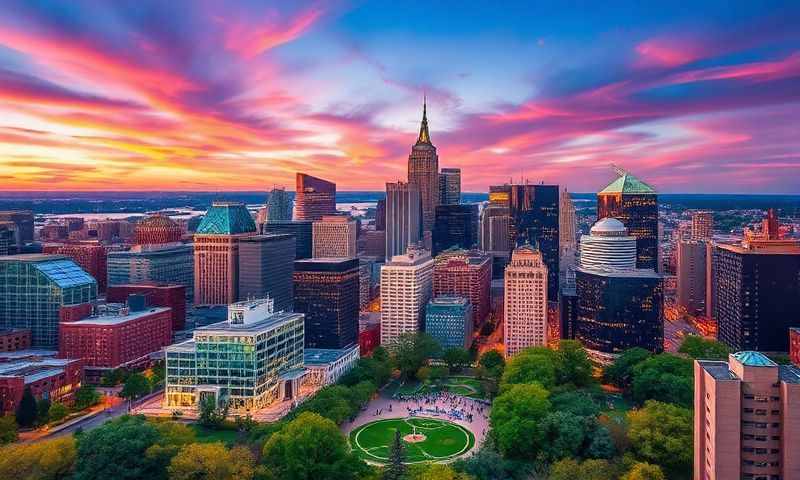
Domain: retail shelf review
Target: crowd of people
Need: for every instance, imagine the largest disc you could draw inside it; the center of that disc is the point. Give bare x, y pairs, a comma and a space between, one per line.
440, 403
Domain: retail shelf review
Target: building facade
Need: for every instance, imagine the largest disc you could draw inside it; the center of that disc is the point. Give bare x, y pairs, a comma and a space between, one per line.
326, 366
91, 257
314, 198
266, 266
608, 247
334, 237
155, 295
423, 171
456, 226
691, 273
161, 264
279, 206
56, 379
216, 253
303, 232
23, 222
403, 218
15, 339
448, 319
525, 301
467, 274
702, 225
156, 230
406, 287
450, 186
326, 291
746, 419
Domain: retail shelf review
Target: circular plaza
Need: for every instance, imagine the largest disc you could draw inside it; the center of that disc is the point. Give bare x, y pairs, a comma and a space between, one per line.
424, 439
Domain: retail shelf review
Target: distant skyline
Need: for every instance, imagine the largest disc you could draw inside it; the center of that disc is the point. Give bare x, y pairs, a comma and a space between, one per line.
214, 96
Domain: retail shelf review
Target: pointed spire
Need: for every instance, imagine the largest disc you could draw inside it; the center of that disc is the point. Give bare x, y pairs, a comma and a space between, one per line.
424, 135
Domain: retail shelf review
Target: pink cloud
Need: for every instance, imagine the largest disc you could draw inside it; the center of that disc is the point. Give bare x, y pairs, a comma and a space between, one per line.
669, 53
250, 41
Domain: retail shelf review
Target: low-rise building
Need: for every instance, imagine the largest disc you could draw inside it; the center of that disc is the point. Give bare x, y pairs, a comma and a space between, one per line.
155, 295
56, 379
324, 366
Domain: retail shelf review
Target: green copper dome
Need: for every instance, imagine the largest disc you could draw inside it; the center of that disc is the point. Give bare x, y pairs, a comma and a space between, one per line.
226, 218
754, 359
627, 183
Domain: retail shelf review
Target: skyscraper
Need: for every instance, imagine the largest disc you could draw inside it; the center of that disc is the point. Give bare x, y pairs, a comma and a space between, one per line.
450, 186
266, 265
216, 253
691, 275
314, 198
302, 231
279, 206
8, 238
608, 247
406, 286
702, 225
423, 171
456, 226
403, 218
525, 301
466, 274
448, 319
334, 237
635, 204
567, 242
326, 290
380, 215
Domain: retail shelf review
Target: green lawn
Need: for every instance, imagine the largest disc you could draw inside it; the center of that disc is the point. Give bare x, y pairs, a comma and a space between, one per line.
444, 440
207, 435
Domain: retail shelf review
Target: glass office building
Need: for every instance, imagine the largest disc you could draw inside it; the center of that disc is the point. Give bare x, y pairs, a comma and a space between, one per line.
34, 288
173, 264
247, 362
448, 319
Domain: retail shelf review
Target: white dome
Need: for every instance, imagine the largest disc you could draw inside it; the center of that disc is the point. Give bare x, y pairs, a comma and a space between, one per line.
609, 226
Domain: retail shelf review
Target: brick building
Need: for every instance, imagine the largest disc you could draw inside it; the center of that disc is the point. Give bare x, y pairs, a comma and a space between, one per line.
467, 274
15, 339
156, 230
156, 295
53, 378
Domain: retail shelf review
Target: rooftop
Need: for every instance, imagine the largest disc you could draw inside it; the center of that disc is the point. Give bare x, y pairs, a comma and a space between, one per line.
108, 320
59, 269
717, 369
753, 359
617, 273
449, 300
609, 226
267, 323
227, 218
34, 370
322, 356
627, 183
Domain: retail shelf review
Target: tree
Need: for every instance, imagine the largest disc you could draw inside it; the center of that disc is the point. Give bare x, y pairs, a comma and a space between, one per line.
620, 372
396, 469
699, 348
86, 397
561, 435
212, 461
311, 447
666, 378
488, 464
600, 443
172, 437
136, 385
455, 358
644, 471
57, 412
44, 460
571, 469
423, 374
575, 402
26, 410
211, 416
515, 418
116, 450
493, 362
573, 365
8, 429
380, 354
412, 350
661, 433
434, 471
532, 365
43, 411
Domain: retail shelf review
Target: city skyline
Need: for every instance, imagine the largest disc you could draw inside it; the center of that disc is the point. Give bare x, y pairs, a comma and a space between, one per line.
168, 96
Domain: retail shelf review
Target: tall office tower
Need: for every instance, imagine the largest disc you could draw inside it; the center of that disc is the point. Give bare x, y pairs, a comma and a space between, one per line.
495, 224
92, 257
266, 265
746, 418
35, 290
380, 215
702, 225
525, 301
423, 171
144, 264
279, 206
403, 218
406, 287
375, 243
608, 247
635, 204
246, 362
326, 291
334, 237
467, 274
567, 222
692, 276
303, 235
156, 230
450, 186
8, 238
23, 219
364, 282
618, 305
216, 253
456, 227
448, 319
314, 198
755, 299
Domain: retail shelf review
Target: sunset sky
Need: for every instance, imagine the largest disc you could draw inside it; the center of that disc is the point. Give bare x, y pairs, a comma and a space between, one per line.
213, 95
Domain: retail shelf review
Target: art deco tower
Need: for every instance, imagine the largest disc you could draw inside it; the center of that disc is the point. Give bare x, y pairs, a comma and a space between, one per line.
423, 171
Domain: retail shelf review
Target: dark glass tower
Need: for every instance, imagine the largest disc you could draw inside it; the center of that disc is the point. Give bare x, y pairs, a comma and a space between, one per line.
456, 226
302, 231
266, 265
635, 204
326, 291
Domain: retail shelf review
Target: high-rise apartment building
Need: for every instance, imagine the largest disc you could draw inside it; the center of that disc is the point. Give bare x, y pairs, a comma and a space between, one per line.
450, 186
326, 290
34, 288
525, 301
314, 198
635, 204
216, 253
403, 218
702, 225
334, 237
247, 362
266, 265
467, 274
456, 227
279, 206
691, 273
746, 419
146, 264
303, 231
448, 319
156, 230
406, 287
423, 171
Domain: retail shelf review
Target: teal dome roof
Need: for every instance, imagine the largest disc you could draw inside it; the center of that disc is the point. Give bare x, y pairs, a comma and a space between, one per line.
226, 218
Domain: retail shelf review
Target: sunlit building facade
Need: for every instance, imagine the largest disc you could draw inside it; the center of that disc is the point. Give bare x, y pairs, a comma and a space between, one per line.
334, 237
525, 301
406, 287
448, 319
314, 198
423, 171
